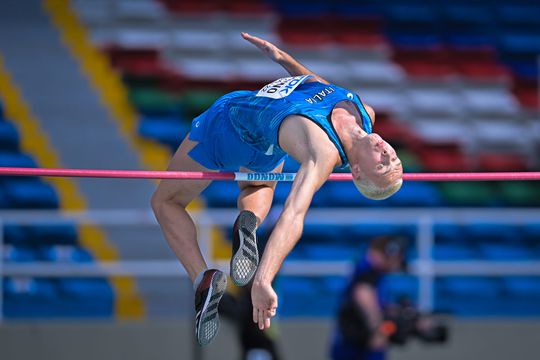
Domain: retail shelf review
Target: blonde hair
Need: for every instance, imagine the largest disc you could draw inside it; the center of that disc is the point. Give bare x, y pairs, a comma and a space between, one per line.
374, 192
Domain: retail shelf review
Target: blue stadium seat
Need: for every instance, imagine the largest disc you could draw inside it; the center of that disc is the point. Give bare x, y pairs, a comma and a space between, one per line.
468, 296
29, 298
165, 131
522, 15
416, 40
520, 286
366, 232
221, 194
416, 194
293, 293
520, 43
491, 233
9, 158
330, 252
412, 13
334, 284
466, 15
65, 253
40, 235
471, 39
298, 9
9, 137
19, 253
448, 233
396, 286
505, 252
321, 233
345, 194
86, 297
30, 194
4, 201
470, 287
453, 252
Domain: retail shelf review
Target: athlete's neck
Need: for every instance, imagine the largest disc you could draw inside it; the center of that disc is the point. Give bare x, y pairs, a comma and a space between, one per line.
348, 130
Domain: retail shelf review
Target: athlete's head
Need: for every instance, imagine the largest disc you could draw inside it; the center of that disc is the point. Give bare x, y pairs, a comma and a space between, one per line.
376, 169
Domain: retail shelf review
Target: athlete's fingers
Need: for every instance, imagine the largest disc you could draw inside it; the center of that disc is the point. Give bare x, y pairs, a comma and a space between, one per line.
271, 312
255, 315
261, 319
267, 322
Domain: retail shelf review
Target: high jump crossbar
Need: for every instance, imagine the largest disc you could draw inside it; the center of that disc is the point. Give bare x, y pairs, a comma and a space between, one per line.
244, 176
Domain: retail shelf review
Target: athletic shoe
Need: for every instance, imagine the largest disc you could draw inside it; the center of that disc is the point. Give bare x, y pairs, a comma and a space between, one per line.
245, 257
207, 296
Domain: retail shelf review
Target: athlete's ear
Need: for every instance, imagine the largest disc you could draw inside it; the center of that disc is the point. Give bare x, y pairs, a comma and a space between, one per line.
355, 171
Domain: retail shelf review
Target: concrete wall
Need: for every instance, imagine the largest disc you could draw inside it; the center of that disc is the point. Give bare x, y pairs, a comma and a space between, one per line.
471, 340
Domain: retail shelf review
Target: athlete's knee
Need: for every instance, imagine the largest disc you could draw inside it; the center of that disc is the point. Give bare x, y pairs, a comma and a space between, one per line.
256, 185
161, 201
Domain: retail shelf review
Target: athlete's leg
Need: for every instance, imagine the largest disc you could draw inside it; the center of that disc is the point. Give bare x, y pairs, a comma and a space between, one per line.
169, 203
254, 203
257, 196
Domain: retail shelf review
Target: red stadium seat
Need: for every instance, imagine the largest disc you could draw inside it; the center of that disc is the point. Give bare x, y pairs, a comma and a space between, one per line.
502, 162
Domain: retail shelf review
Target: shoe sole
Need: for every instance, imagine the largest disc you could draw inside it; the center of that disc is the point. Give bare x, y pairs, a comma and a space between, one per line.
208, 325
246, 259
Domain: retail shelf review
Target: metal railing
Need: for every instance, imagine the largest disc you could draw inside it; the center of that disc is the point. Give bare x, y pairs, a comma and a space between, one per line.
424, 267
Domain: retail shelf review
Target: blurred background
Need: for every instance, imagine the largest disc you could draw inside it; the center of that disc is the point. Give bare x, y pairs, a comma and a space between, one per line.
115, 84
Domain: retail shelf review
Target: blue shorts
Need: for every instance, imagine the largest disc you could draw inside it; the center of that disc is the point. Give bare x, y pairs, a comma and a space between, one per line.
219, 145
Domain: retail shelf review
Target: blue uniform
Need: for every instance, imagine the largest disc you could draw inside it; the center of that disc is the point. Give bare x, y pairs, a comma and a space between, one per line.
241, 128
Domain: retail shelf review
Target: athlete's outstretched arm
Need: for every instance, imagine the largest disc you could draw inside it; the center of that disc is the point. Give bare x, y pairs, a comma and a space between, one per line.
293, 67
285, 235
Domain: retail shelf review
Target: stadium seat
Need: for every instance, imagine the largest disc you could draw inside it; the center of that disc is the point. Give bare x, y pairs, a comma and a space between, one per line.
29, 194
416, 194
9, 158
470, 287
505, 252
195, 102
65, 253
526, 287
139, 10
139, 37
469, 194
87, 297
468, 296
19, 254
466, 16
221, 194
497, 162
164, 131
40, 235
448, 252
149, 101
329, 251
396, 286
9, 137
491, 233
321, 234
29, 298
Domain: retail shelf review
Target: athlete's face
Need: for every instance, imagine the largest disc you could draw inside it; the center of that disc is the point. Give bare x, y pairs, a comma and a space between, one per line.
378, 161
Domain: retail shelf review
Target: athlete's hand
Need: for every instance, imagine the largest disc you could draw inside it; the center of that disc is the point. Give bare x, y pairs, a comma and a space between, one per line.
265, 303
271, 50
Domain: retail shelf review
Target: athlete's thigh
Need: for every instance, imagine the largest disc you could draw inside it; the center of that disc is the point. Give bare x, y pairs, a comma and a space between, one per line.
271, 184
182, 191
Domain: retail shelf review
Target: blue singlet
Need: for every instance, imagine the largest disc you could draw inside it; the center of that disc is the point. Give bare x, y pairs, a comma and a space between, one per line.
241, 128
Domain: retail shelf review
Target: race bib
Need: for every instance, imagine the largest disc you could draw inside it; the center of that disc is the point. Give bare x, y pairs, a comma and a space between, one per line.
282, 88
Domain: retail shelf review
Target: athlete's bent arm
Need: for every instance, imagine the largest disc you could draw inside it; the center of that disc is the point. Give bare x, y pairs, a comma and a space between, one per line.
293, 67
